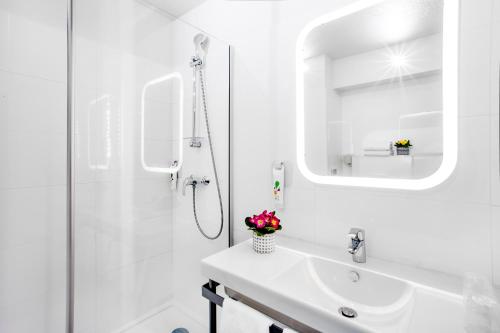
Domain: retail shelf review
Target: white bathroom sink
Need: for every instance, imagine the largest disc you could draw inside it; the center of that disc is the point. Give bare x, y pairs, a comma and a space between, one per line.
312, 285
333, 284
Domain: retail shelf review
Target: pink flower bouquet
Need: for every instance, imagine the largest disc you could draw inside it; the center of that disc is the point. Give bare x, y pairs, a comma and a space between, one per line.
264, 223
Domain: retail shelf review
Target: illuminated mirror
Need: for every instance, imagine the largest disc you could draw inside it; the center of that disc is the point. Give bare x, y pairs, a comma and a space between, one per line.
162, 124
377, 94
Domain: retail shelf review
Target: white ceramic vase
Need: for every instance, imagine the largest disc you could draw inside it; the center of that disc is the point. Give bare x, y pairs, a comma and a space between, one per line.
264, 244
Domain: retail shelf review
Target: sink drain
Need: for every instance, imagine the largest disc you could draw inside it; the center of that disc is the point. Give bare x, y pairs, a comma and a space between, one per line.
180, 330
348, 312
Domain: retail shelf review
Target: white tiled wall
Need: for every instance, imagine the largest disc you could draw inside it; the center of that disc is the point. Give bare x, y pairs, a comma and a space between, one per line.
495, 219
495, 134
32, 171
448, 228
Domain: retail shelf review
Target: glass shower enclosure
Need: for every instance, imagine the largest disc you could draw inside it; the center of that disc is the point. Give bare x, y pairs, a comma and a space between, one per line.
97, 235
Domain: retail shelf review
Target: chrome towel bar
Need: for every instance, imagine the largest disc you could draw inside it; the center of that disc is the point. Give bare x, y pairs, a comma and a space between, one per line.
209, 291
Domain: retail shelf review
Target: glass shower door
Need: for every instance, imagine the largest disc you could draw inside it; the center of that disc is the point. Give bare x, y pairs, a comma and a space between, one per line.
138, 250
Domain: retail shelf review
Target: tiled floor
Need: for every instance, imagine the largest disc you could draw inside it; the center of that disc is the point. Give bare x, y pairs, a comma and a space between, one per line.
166, 321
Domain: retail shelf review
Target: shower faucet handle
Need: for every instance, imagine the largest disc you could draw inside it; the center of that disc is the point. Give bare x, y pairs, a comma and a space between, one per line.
189, 181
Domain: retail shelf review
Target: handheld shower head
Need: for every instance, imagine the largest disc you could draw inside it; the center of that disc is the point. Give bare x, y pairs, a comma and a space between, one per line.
201, 43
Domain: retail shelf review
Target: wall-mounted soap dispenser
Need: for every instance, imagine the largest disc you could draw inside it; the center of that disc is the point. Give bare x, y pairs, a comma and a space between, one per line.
278, 184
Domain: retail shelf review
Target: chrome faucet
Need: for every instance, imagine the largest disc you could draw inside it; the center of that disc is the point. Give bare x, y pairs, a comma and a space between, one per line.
356, 245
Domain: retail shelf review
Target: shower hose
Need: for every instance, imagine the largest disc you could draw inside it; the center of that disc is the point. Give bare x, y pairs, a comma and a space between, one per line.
205, 108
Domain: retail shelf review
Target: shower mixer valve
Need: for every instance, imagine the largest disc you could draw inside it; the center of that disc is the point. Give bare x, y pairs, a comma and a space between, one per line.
194, 181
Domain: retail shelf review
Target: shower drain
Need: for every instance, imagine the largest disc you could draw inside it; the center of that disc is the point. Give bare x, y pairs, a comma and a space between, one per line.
348, 312
180, 330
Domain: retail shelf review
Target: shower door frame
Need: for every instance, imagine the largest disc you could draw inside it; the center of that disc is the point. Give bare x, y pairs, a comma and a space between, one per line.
70, 180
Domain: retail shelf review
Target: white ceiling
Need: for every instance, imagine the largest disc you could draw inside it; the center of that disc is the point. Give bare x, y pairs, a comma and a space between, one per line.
389, 23
175, 7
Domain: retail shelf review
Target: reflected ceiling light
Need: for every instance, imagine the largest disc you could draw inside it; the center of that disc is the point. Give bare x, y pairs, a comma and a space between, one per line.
399, 60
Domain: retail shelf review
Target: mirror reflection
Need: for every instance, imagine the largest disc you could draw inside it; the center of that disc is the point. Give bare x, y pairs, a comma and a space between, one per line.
373, 99
161, 124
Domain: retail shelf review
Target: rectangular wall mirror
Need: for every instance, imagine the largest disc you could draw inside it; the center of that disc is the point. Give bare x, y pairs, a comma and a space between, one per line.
377, 94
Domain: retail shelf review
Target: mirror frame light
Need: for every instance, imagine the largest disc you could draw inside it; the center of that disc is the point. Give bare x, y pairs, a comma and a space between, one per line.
450, 104
108, 146
180, 160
